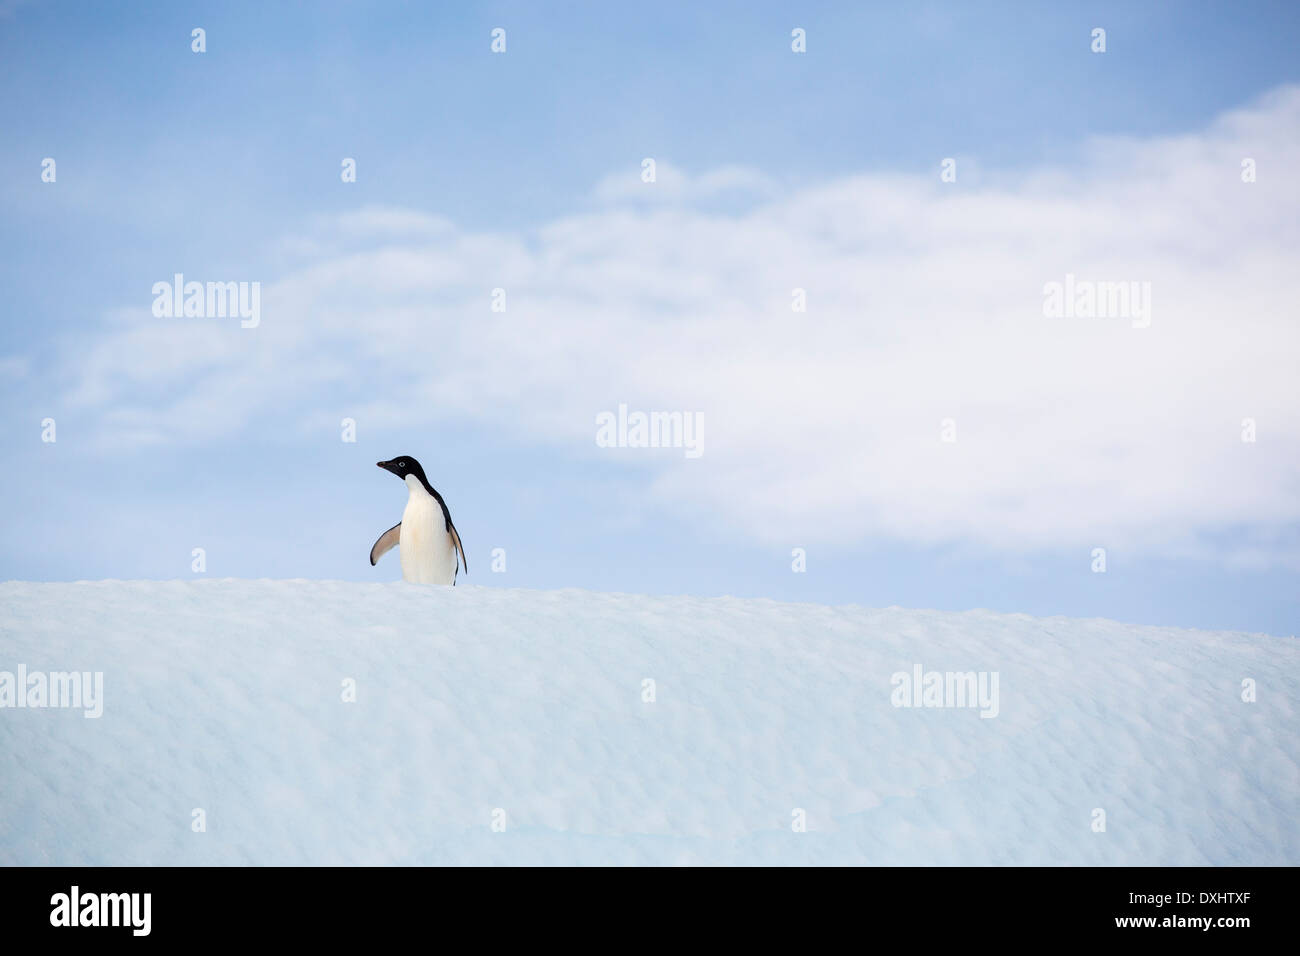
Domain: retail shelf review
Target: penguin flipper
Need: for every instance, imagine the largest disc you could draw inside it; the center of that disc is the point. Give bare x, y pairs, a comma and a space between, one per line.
460, 548
387, 541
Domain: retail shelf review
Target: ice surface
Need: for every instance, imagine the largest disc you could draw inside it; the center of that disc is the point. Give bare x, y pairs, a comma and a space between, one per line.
227, 695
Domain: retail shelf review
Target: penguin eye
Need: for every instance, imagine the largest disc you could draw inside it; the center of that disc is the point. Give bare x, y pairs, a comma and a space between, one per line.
401, 464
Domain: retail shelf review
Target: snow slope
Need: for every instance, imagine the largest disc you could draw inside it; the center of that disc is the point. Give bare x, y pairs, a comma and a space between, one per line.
226, 695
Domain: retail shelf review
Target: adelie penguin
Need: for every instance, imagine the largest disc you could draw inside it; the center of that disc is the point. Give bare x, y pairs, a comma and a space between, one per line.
430, 547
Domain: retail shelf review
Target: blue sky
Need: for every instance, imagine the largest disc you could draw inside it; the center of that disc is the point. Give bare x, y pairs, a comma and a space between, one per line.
521, 170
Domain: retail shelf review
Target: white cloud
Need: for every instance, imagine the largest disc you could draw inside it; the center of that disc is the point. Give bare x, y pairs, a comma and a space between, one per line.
673, 185
925, 303
331, 235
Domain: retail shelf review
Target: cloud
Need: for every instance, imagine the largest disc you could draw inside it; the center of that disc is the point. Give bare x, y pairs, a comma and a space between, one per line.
331, 235
673, 185
925, 303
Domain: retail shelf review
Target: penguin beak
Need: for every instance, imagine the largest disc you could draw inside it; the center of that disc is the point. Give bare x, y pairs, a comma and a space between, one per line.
387, 466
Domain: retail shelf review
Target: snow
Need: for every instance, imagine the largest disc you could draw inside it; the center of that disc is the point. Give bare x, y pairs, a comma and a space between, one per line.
227, 696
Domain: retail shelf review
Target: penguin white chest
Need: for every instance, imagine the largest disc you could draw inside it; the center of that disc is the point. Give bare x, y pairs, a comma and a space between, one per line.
426, 549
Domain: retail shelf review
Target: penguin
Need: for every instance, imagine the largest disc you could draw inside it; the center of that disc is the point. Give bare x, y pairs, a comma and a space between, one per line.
431, 548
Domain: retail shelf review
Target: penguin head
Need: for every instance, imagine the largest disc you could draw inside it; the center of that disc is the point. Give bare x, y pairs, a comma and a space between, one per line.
402, 466
407, 468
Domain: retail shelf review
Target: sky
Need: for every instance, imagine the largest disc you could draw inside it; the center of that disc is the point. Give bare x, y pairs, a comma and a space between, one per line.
923, 430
